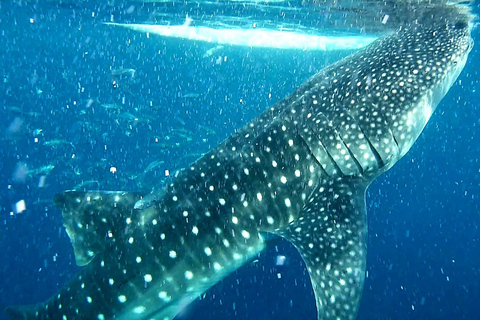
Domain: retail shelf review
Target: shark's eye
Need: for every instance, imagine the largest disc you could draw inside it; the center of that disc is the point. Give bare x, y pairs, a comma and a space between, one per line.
461, 25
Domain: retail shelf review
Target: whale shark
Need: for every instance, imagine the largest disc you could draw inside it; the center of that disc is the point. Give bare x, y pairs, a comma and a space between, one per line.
299, 171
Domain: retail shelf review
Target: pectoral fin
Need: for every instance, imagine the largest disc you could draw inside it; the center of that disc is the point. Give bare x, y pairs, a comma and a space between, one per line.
330, 235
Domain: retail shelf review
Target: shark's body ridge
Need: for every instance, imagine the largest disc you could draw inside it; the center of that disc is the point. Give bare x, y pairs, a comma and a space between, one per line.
300, 171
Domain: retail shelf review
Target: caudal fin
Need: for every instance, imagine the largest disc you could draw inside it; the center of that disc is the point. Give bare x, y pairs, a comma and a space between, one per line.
88, 216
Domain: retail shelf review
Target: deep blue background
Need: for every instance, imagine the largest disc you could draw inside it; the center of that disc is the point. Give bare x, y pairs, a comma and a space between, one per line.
424, 215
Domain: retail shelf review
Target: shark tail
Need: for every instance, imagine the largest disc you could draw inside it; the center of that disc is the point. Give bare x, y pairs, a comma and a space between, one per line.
25, 312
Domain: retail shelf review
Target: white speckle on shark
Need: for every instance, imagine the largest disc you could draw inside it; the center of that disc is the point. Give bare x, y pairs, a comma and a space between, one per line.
139, 309
299, 171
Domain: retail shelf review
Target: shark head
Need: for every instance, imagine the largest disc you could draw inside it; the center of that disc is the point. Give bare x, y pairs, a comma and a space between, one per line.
375, 103
419, 72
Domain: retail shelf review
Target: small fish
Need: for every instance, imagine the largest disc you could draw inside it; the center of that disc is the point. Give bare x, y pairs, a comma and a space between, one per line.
148, 201
124, 72
161, 144
44, 170
112, 107
207, 130
191, 95
184, 136
181, 131
83, 184
152, 166
179, 120
193, 155
43, 202
128, 116
211, 51
57, 142
15, 109
37, 132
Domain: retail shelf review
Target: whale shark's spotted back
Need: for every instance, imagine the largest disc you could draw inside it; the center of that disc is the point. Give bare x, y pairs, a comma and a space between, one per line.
298, 171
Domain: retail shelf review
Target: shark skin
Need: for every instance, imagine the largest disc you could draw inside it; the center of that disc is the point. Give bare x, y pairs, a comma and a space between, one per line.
299, 171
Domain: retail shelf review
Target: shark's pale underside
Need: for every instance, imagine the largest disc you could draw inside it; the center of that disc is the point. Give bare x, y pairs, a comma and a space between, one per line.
300, 171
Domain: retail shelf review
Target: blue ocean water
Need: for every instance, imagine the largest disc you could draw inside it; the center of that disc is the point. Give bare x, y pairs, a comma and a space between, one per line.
69, 99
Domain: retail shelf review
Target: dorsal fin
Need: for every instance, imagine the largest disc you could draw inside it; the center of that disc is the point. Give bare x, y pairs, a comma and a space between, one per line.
93, 219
